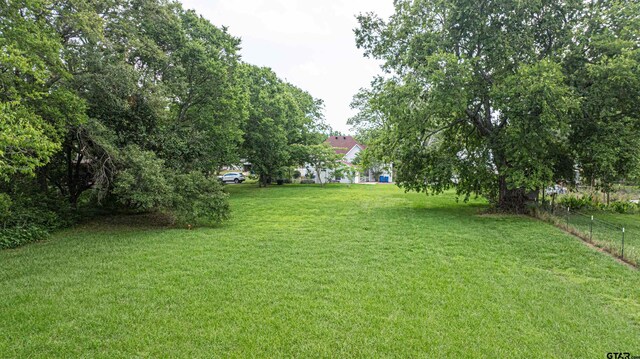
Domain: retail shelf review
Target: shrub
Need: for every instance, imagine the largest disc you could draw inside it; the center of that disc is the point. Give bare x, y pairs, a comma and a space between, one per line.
141, 184
584, 202
5, 206
307, 181
590, 203
198, 199
623, 207
15, 237
145, 184
24, 209
27, 215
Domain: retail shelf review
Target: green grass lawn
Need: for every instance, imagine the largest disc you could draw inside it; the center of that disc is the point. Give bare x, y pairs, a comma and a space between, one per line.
631, 224
366, 271
630, 221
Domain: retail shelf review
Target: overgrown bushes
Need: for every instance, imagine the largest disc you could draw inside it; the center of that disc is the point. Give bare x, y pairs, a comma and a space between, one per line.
198, 199
588, 202
15, 237
624, 207
30, 218
146, 184
133, 112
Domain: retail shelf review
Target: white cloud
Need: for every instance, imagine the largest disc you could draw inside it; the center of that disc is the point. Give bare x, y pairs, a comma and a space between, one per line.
309, 43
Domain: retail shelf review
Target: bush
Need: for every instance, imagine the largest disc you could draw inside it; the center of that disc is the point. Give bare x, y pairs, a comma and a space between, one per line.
199, 199
142, 183
5, 207
297, 174
623, 207
585, 202
27, 215
15, 237
145, 184
307, 181
23, 209
590, 203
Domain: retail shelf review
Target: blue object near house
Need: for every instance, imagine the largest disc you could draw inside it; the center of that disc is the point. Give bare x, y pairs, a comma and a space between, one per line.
384, 179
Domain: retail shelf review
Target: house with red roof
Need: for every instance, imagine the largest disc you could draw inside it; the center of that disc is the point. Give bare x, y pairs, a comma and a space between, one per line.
350, 147
346, 145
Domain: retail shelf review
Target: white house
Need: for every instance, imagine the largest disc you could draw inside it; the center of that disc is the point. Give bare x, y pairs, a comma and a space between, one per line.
349, 147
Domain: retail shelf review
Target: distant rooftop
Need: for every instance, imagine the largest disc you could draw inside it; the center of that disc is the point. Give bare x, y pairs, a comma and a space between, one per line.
343, 144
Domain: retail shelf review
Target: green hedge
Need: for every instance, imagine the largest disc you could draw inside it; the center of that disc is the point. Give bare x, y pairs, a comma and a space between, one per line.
15, 237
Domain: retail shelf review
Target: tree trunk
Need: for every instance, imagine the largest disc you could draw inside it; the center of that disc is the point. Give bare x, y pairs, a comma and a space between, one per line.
263, 181
511, 199
318, 173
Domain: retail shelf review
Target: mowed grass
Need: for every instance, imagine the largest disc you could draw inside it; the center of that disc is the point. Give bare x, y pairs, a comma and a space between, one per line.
366, 271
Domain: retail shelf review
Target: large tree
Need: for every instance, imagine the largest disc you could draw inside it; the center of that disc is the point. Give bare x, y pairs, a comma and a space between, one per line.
135, 104
476, 94
154, 76
36, 107
604, 68
280, 116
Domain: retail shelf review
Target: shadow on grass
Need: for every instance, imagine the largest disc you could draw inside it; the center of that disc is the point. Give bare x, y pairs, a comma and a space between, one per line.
155, 220
473, 210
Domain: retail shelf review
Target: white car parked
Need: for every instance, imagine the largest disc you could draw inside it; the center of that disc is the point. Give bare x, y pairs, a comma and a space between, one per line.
235, 177
556, 189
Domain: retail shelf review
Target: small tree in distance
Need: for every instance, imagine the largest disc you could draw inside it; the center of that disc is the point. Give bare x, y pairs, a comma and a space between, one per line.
321, 157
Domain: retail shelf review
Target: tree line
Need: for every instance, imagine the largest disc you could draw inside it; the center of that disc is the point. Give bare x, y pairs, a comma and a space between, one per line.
503, 98
134, 105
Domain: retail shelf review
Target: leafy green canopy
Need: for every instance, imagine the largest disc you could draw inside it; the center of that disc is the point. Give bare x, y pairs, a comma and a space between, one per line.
482, 94
280, 116
605, 69
31, 125
136, 104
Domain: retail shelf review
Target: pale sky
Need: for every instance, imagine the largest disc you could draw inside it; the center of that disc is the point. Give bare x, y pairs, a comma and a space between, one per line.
308, 43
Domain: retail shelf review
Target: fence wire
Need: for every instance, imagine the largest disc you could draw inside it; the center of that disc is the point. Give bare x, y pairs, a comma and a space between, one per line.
613, 238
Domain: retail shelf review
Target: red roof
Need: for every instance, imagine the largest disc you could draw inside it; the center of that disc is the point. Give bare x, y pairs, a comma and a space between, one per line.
343, 144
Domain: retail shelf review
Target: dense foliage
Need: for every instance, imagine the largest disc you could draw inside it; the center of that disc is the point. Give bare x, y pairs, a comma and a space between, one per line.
280, 116
502, 98
134, 105
589, 202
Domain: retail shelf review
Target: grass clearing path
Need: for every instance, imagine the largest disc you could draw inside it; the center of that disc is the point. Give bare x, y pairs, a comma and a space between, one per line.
366, 271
